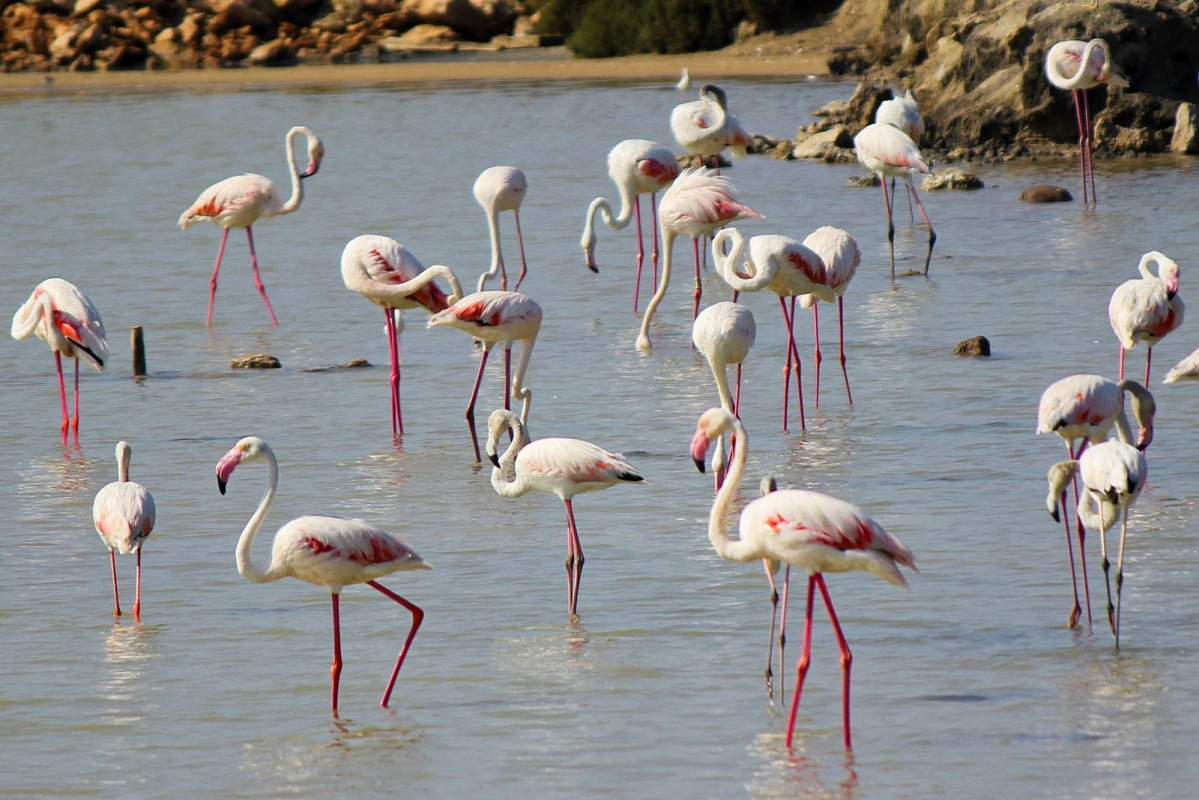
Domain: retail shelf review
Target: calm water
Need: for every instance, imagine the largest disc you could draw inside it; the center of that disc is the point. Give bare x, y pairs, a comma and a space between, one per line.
967, 684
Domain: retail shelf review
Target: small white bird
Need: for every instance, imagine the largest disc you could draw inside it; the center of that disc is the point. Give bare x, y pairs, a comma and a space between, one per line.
684, 83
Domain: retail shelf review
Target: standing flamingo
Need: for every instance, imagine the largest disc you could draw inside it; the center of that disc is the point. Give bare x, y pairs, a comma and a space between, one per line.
697, 204
841, 256
704, 127
1085, 407
496, 317
890, 153
1185, 370
384, 271
557, 465
724, 333
328, 551
123, 513
239, 202
637, 167
62, 317
1077, 66
805, 529
1114, 474
684, 83
903, 112
781, 265
501, 189
1147, 308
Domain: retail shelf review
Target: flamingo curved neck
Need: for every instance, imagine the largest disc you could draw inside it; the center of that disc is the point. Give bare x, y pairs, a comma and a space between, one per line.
726, 266
27, 318
668, 237
601, 206
245, 563
123, 465
518, 486
297, 185
718, 520
1079, 78
400, 291
519, 390
493, 228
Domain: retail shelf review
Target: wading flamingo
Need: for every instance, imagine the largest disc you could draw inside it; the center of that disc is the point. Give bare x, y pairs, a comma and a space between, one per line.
1147, 308
903, 112
684, 83
698, 203
704, 127
1114, 474
1185, 370
781, 265
637, 167
328, 551
240, 201
385, 272
501, 189
123, 513
1085, 407
1077, 66
496, 318
805, 529
724, 333
557, 465
890, 153
65, 319
841, 256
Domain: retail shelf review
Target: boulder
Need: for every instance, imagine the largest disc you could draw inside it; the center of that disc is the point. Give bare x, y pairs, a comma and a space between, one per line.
255, 361
974, 346
423, 34
476, 19
950, 178
1186, 130
819, 145
1045, 193
272, 54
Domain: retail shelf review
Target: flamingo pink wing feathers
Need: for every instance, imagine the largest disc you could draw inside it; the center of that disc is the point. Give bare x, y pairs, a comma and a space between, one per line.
336, 551
232, 203
840, 253
123, 513
886, 149
385, 260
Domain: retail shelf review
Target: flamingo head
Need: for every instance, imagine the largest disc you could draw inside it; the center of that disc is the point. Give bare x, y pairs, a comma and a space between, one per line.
1060, 474
316, 154
712, 424
499, 421
248, 449
589, 255
1169, 274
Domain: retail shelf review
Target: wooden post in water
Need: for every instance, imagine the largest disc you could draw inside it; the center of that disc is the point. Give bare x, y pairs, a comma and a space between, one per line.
138, 345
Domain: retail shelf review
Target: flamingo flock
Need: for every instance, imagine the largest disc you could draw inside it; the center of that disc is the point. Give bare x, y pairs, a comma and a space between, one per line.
806, 529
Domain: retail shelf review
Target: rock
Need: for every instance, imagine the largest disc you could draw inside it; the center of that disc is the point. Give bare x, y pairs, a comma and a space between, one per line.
1045, 194
232, 14
1186, 130
255, 361
818, 145
476, 19
356, 363
975, 346
84, 7
273, 53
423, 34
869, 179
950, 178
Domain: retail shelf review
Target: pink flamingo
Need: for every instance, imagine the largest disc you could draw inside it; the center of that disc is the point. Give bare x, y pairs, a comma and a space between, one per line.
705, 128
637, 167
697, 204
493, 318
1147, 308
240, 201
385, 272
890, 153
62, 317
903, 112
1085, 407
781, 265
328, 551
1077, 66
841, 257
561, 466
123, 513
1185, 370
501, 189
805, 529
1114, 474
724, 333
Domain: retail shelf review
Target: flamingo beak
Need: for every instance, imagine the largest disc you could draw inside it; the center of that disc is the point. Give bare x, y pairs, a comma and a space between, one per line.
225, 466
313, 168
699, 447
220, 484
495, 459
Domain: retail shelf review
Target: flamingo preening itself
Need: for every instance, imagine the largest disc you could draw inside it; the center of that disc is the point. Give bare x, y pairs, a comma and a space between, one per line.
123, 513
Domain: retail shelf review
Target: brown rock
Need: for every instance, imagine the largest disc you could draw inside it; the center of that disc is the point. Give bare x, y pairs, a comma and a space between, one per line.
236, 13
1045, 194
950, 178
818, 145
427, 34
975, 346
1186, 129
476, 19
273, 53
255, 361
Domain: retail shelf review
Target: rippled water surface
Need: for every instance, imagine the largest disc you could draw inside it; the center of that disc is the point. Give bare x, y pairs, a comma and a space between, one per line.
967, 684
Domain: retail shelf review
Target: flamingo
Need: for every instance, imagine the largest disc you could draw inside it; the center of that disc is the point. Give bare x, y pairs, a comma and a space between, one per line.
890, 153
781, 265
684, 83
501, 189
841, 256
903, 112
1114, 474
123, 513
697, 204
561, 466
63, 317
704, 127
325, 550
1077, 66
1085, 407
637, 167
240, 201
724, 333
801, 528
1185, 370
1147, 308
385, 272
493, 318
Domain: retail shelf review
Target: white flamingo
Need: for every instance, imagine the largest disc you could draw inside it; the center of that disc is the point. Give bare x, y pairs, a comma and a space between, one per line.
123, 513
841, 256
500, 189
1148, 308
890, 153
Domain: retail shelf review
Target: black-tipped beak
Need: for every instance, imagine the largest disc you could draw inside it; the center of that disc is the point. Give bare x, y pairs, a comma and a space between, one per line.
495, 459
220, 484
1056, 516
699, 464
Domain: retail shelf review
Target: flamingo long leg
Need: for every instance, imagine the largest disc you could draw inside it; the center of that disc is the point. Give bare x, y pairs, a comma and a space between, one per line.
75, 419
783, 628
1082, 532
1148, 362
640, 253
805, 660
1086, 115
890, 225
62, 394
1120, 573
116, 595
393, 347
220, 253
819, 358
774, 607
1111, 615
653, 210
841, 345
258, 278
520, 242
846, 656
335, 670
699, 289
1072, 620
575, 559
932, 234
790, 318
1121, 377
418, 616
137, 598
1082, 142
474, 395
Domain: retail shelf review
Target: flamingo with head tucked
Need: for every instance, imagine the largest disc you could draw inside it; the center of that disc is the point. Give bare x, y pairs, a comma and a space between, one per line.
1147, 308
637, 167
63, 317
500, 189
561, 466
903, 112
240, 201
385, 272
328, 551
1077, 66
123, 513
890, 153
805, 529
841, 257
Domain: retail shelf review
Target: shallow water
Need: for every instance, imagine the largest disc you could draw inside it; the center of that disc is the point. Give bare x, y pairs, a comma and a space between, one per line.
966, 684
